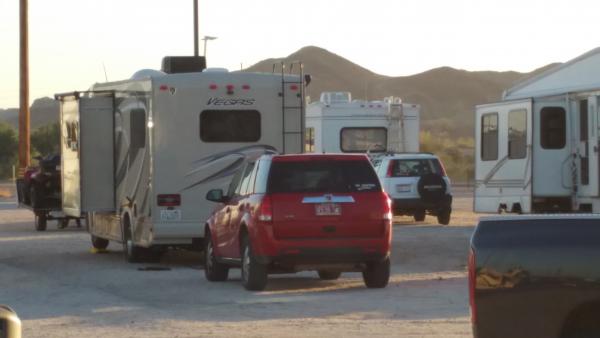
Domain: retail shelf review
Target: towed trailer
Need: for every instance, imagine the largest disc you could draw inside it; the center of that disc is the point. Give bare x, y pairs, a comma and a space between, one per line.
39, 190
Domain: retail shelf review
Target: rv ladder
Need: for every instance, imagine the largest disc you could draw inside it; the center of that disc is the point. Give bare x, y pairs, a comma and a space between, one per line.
294, 111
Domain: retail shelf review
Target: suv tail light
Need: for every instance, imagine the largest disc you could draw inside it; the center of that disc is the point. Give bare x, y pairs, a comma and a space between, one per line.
168, 200
387, 206
472, 284
265, 210
442, 168
389, 169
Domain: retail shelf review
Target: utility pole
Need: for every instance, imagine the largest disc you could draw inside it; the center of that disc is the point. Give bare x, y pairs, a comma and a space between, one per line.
24, 118
196, 28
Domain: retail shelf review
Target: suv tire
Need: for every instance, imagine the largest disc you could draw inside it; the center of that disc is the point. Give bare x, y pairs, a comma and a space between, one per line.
377, 274
254, 274
419, 215
444, 216
213, 270
329, 275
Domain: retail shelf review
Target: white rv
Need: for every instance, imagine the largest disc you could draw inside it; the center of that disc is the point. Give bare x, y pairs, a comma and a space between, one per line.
139, 155
538, 149
336, 123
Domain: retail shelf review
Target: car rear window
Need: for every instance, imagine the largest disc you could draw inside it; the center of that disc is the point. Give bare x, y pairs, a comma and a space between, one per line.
322, 176
415, 167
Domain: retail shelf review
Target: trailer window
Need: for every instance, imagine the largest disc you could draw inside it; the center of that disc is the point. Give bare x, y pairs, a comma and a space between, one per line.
230, 126
517, 134
137, 127
553, 128
360, 140
489, 137
309, 140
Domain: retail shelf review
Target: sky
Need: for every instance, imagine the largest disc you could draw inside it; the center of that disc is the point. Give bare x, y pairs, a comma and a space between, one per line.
75, 43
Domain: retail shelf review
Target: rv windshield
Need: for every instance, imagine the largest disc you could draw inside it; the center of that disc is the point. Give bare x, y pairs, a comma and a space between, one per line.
361, 140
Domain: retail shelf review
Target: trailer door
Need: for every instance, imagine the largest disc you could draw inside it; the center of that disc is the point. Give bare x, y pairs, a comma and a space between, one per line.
588, 146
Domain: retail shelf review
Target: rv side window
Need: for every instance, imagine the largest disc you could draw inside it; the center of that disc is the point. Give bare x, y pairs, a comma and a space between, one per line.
553, 128
489, 137
517, 134
230, 126
309, 140
137, 127
360, 140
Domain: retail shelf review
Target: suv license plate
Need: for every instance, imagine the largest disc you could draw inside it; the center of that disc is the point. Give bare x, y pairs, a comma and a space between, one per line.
170, 215
403, 188
328, 209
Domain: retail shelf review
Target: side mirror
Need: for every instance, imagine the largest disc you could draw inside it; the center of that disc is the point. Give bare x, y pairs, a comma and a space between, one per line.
216, 195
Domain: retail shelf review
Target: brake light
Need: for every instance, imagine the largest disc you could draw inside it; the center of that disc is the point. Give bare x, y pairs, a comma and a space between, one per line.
168, 200
387, 206
213, 86
246, 87
294, 87
442, 168
389, 169
230, 88
265, 210
472, 284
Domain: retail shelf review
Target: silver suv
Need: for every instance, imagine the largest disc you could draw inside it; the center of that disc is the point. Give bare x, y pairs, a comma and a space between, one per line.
417, 184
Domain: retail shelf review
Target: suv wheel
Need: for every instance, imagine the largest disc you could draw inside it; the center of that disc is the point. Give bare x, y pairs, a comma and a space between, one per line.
444, 217
329, 275
213, 270
419, 215
254, 274
377, 274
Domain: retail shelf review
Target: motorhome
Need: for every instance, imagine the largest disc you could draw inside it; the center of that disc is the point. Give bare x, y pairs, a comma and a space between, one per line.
336, 123
538, 149
139, 155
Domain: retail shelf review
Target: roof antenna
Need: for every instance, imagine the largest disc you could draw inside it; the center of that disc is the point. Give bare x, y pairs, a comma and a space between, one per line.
105, 76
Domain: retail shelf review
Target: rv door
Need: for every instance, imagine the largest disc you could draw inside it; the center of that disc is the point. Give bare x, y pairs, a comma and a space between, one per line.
589, 145
503, 157
87, 171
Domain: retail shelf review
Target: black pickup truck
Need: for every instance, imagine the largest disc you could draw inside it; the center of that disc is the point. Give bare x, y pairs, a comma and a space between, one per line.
535, 276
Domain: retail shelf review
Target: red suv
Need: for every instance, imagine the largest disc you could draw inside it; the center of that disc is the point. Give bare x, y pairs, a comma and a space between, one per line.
290, 213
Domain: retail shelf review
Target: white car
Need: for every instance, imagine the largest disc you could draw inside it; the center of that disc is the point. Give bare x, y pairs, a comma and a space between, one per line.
417, 184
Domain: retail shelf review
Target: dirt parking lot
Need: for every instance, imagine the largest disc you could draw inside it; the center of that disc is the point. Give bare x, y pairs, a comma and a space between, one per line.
61, 289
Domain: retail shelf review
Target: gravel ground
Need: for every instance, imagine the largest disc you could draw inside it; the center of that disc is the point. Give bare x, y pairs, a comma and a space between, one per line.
61, 289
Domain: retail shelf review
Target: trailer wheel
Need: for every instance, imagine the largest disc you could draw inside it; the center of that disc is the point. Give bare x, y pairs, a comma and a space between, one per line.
62, 223
40, 221
99, 243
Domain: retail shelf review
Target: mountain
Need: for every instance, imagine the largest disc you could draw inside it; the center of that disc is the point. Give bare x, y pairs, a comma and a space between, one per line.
447, 96
43, 111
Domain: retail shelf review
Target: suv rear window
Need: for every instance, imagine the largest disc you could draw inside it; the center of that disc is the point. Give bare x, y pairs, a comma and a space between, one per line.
415, 167
322, 176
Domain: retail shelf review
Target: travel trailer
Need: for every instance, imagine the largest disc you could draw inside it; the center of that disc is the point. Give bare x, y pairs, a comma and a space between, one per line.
538, 149
139, 155
336, 123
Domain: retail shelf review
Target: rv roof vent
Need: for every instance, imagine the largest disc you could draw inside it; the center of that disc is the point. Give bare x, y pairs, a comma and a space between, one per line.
146, 73
336, 97
215, 70
183, 64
